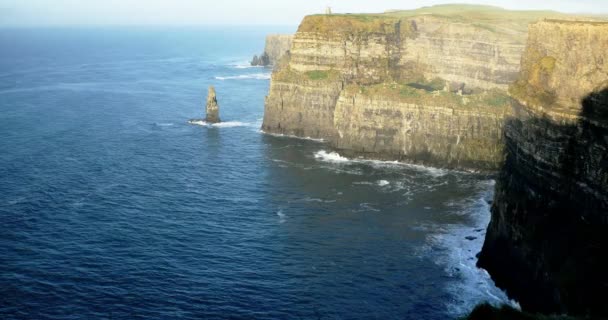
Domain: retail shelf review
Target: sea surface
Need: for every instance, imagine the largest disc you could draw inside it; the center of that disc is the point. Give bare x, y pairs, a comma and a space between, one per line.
113, 206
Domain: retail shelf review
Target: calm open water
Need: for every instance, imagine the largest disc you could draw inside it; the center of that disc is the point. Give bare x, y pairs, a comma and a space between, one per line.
112, 206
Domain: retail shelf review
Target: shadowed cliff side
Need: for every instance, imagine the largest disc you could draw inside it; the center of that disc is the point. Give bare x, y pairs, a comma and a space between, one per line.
425, 86
547, 241
378, 86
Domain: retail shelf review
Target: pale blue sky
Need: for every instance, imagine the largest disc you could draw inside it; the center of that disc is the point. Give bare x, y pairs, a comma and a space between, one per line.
229, 12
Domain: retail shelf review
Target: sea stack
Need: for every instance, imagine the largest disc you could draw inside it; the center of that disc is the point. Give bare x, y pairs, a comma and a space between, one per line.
213, 110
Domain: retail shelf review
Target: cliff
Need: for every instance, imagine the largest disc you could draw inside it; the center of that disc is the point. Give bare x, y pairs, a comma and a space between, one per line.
426, 86
276, 46
548, 237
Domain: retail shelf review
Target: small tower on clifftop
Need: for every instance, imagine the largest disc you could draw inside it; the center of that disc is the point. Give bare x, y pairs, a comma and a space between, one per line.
328, 10
213, 109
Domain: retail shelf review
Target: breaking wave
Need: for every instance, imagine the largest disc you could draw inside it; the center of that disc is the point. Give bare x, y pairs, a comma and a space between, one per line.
335, 157
330, 157
227, 124
458, 246
280, 135
253, 76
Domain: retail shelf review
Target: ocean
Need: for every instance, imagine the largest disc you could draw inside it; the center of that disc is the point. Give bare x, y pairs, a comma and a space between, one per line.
113, 206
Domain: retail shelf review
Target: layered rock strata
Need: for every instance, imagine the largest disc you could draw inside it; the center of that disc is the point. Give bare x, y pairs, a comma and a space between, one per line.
548, 238
391, 87
276, 46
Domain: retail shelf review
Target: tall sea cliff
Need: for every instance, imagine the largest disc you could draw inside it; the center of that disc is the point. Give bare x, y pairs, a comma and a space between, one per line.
418, 86
547, 240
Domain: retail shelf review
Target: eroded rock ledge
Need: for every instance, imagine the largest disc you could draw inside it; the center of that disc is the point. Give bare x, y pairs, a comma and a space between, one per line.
418, 87
547, 242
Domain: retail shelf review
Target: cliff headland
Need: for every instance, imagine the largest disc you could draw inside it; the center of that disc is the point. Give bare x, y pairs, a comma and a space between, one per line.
547, 240
475, 87
426, 86
276, 46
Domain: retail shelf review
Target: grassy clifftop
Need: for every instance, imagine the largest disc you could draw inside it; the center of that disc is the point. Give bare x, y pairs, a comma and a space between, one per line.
496, 20
351, 23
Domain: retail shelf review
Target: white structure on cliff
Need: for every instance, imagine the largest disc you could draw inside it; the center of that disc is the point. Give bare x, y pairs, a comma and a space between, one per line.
328, 10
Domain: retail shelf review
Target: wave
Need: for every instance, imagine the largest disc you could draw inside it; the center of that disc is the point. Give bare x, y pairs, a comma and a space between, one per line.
458, 246
330, 157
310, 199
280, 135
245, 66
252, 76
281, 216
227, 124
382, 183
335, 157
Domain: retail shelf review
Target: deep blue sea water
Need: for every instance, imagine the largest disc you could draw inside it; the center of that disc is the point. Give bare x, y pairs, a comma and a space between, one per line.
112, 206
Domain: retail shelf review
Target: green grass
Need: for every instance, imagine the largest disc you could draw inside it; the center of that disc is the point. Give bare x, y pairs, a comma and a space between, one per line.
497, 98
509, 25
490, 101
317, 75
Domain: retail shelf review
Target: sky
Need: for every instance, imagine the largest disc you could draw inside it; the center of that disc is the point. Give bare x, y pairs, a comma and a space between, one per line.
231, 12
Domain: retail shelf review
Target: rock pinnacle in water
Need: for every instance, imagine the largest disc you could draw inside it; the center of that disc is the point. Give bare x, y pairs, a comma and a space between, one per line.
213, 110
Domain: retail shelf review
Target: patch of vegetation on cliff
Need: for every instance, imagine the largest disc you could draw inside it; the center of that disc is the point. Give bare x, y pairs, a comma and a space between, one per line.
317, 74
495, 20
497, 98
536, 72
434, 85
353, 23
492, 100
489, 312
289, 75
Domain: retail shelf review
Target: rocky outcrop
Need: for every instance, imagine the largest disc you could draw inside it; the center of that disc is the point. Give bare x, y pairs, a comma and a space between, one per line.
276, 46
391, 87
212, 108
548, 238
403, 123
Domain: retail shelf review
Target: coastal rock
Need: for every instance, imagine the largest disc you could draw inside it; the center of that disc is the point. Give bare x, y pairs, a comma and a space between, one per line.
382, 86
276, 46
213, 110
548, 237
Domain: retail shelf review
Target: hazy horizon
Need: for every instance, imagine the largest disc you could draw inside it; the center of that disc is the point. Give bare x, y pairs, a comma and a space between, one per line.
24, 13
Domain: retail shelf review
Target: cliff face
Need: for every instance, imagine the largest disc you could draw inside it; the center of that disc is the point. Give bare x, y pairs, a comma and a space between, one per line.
435, 128
548, 237
465, 52
276, 46
391, 87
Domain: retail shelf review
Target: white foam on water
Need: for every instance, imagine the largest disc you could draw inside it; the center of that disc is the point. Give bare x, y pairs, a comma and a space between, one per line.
252, 76
363, 183
245, 66
330, 157
458, 246
366, 207
382, 183
309, 199
281, 216
227, 124
280, 135
198, 122
231, 124
337, 158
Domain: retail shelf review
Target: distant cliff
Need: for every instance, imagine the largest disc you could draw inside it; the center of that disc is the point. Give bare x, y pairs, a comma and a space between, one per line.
411, 86
276, 46
547, 242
